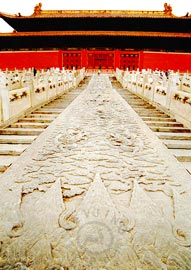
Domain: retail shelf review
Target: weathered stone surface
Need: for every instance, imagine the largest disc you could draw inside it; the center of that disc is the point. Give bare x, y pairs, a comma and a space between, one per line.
97, 190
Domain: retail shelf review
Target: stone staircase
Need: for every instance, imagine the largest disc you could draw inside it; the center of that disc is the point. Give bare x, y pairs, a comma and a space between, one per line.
15, 138
174, 135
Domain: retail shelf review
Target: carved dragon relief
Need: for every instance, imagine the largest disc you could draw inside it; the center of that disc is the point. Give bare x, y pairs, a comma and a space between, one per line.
101, 196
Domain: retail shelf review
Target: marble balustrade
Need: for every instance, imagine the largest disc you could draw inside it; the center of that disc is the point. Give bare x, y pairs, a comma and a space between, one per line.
21, 90
172, 93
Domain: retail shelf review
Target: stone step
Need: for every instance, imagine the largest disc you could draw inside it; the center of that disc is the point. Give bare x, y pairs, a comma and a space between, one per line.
170, 129
6, 161
55, 107
138, 103
126, 91
21, 131
173, 136
69, 95
66, 98
163, 124
62, 105
177, 144
52, 107
187, 165
165, 118
147, 107
149, 110
36, 120
47, 111
39, 114
183, 155
12, 149
62, 99
29, 125
17, 139
133, 99
157, 114
49, 116
131, 96
145, 112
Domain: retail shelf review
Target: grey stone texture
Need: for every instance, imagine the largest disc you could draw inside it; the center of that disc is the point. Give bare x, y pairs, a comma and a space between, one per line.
97, 190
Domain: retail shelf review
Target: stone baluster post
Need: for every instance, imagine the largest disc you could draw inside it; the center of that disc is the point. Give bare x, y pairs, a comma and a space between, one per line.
155, 79
170, 91
27, 81
145, 80
4, 93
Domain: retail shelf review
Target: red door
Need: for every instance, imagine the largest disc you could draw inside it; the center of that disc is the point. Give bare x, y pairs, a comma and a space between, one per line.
100, 60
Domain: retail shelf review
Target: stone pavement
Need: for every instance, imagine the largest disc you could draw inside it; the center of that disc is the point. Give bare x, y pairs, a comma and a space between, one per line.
97, 190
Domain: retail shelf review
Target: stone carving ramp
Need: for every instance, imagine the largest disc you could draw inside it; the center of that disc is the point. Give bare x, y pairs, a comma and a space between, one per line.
96, 190
16, 137
174, 135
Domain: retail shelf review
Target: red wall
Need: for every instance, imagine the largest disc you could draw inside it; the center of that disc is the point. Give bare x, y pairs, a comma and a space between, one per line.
165, 60
37, 59
44, 59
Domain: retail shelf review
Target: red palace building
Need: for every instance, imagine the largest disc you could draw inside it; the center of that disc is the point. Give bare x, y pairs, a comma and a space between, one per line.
94, 39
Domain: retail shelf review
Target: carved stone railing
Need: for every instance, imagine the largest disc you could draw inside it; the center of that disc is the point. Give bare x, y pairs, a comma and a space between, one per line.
29, 91
186, 84
172, 93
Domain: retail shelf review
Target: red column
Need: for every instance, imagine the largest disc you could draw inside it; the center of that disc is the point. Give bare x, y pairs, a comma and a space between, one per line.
60, 59
84, 58
141, 55
117, 59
